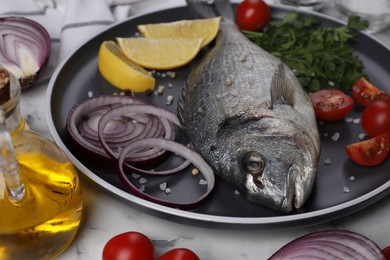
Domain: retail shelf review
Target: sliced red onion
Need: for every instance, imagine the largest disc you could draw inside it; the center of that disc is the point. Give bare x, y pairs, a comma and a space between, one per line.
82, 126
331, 244
24, 48
166, 117
83, 118
97, 124
178, 149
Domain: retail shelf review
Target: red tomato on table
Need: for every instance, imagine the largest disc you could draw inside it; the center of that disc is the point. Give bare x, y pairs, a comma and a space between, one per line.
365, 93
129, 246
253, 15
370, 152
331, 104
376, 118
386, 252
179, 254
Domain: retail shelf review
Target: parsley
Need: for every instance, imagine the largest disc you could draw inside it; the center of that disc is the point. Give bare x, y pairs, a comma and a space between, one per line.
317, 54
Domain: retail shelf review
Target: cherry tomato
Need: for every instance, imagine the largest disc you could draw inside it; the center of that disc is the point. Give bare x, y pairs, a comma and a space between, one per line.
331, 104
370, 152
253, 15
129, 246
386, 252
376, 118
179, 254
365, 93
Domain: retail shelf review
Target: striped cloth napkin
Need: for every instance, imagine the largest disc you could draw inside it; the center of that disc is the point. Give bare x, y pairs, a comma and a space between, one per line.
69, 22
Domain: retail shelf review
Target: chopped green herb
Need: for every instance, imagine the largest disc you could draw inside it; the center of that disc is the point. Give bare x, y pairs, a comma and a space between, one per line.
321, 57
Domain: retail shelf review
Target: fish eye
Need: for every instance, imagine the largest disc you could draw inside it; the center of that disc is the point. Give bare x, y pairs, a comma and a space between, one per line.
253, 163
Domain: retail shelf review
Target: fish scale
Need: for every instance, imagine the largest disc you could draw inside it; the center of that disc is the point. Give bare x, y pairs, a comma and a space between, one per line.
249, 117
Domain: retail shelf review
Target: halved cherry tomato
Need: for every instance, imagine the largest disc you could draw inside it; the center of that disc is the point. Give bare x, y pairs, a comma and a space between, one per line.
331, 104
376, 118
370, 152
129, 246
253, 15
386, 252
179, 254
365, 93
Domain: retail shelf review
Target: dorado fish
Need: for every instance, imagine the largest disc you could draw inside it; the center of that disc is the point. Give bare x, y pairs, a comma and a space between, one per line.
248, 116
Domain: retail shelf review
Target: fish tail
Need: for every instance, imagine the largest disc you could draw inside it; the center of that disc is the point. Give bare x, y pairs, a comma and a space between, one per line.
212, 8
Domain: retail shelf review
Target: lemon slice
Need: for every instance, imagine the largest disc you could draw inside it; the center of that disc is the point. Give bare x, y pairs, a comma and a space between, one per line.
198, 28
160, 53
121, 72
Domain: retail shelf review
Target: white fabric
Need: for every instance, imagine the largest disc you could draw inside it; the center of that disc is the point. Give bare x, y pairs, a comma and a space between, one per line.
69, 22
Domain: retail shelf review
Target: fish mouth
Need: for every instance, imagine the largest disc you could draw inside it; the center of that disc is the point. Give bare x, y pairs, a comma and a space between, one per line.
265, 191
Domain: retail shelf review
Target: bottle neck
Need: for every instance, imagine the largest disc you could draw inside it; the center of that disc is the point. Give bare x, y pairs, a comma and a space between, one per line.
10, 102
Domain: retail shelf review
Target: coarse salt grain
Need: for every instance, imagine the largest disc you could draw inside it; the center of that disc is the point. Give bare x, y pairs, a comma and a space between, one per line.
361, 136
90, 93
163, 186
168, 190
346, 189
143, 180
348, 119
160, 89
352, 178
356, 121
202, 182
236, 192
336, 136
135, 176
327, 161
169, 100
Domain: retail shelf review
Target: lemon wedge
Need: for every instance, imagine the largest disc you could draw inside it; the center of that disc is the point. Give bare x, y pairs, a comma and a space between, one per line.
121, 72
197, 28
160, 53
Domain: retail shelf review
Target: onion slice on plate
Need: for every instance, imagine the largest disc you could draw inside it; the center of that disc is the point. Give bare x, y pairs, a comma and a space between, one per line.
330, 244
178, 149
83, 119
146, 153
128, 130
24, 48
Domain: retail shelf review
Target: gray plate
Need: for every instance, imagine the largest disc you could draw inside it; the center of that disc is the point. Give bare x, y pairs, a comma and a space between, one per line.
78, 76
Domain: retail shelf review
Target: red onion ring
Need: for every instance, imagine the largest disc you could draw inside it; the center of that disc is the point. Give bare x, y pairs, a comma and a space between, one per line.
25, 47
96, 125
178, 149
331, 244
96, 106
165, 116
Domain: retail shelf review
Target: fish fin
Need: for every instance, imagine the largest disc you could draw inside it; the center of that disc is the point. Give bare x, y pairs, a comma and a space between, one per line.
212, 8
281, 90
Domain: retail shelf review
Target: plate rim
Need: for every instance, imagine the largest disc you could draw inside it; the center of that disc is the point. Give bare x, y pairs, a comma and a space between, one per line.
382, 190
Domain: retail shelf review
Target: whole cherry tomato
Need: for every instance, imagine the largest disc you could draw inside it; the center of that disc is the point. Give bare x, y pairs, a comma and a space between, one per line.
253, 15
365, 93
331, 104
179, 254
376, 118
129, 246
370, 152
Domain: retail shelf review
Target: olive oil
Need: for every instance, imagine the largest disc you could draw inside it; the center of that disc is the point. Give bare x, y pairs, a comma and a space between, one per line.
40, 195
46, 220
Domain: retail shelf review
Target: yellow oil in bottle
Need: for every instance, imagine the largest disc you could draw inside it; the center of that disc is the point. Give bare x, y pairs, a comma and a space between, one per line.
40, 195
46, 220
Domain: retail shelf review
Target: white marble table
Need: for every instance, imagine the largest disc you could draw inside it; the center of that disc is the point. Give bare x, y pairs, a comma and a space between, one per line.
105, 215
